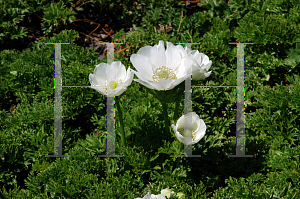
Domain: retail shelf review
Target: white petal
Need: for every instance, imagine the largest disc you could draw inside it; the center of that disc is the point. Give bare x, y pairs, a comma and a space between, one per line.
100, 71
96, 84
143, 65
207, 66
185, 66
94, 80
187, 140
179, 137
178, 81
197, 57
182, 51
188, 51
205, 58
160, 197
111, 74
201, 131
145, 51
163, 84
158, 56
180, 122
147, 84
143, 81
123, 86
174, 128
199, 75
173, 56
117, 91
147, 196
129, 76
121, 71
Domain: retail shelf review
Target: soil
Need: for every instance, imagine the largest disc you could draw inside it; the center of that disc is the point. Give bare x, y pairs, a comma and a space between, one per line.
86, 24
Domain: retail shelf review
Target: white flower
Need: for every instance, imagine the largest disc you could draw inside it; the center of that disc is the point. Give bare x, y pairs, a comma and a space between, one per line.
152, 196
117, 78
166, 192
14, 72
187, 137
201, 64
161, 69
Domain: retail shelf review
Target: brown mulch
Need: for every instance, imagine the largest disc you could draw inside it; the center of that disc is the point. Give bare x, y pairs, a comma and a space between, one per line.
91, 27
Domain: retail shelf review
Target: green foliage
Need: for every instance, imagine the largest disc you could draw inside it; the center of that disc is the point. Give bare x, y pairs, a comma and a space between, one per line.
56, 14
293, 57
12, 13
149, 162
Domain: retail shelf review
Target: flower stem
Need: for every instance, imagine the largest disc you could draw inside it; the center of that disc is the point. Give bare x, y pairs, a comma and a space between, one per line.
180, 92
165, 113
176, 110
121, 120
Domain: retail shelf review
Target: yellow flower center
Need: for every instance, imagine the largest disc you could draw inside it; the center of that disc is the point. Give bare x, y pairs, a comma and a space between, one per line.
181, 131
163, 73
112, 84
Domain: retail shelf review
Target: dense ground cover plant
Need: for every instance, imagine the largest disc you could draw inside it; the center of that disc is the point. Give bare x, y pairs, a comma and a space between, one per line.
149, 163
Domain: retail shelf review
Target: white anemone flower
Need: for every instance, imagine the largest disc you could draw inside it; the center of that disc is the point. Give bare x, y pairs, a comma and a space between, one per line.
201, 64
161, 69
198, 129
111, 79
152, 196
167, 192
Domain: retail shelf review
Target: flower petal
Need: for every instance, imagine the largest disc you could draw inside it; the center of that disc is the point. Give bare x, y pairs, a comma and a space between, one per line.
201, 131
129, 76
200, 75
185, 67
143, 65
178, 81
173, 56
179, 137
163, 85
143, 81
120, 71
96, 83
160, 197
158, 56
100, 71
111, 74
123, 86
187, 140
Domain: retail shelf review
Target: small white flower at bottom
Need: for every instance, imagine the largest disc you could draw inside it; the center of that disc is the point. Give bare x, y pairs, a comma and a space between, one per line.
152, 196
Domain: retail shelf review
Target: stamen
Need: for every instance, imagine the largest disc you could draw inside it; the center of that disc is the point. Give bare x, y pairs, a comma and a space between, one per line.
163, 73
112, 85
181, 131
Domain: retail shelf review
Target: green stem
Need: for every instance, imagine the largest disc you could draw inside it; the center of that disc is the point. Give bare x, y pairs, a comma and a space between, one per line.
121, 120
165, 113
175, 116
180, 93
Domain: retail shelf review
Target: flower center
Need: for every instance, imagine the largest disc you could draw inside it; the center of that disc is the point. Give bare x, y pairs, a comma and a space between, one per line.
163, 73
112, 84
181, 131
